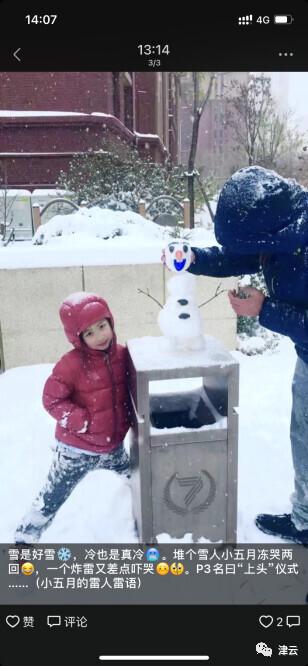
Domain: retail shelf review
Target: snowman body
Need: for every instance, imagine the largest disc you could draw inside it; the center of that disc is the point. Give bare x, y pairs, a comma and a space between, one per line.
180, 320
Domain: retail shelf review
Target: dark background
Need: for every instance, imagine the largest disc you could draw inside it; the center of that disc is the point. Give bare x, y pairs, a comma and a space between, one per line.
101, 36
226, 635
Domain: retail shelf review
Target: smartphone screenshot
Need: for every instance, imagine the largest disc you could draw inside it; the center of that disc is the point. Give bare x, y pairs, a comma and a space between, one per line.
154, 335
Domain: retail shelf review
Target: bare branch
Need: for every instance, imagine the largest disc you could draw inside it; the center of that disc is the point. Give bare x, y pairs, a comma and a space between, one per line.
217, 293
147, 293
205, 197
207, 94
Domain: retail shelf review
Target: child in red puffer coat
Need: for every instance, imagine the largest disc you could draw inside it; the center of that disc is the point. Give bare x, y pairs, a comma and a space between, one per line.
87, 394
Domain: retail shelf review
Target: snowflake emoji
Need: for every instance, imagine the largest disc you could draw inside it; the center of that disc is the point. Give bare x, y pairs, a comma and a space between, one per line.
64, 554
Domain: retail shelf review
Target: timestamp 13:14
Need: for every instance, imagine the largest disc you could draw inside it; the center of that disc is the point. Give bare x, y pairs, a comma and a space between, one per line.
154, 50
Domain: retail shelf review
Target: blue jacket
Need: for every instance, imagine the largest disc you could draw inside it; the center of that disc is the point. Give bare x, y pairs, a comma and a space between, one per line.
262, 224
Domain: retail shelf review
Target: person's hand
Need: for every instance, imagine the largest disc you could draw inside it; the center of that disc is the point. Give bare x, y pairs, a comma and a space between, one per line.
250, 305
163, 257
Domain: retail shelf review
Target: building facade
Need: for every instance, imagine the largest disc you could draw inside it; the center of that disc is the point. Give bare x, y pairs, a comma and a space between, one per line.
48, 117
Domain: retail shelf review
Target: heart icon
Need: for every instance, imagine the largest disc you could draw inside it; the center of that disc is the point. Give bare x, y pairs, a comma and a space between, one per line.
266, 621
12, 620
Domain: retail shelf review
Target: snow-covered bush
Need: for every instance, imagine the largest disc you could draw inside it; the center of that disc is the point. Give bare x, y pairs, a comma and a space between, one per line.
117, 177
262, 340
99, 223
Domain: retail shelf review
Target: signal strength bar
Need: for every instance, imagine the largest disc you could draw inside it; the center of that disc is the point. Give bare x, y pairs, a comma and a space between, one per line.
245, 20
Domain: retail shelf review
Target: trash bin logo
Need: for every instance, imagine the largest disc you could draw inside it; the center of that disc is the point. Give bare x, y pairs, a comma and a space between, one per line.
201, 493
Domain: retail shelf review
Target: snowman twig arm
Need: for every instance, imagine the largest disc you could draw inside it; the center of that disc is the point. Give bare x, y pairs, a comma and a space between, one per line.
147, 293
217, 293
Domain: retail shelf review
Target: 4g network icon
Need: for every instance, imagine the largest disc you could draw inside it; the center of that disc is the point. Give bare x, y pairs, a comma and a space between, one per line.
277, 19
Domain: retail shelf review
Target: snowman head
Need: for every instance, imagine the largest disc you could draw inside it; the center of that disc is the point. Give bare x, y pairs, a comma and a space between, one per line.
178, 256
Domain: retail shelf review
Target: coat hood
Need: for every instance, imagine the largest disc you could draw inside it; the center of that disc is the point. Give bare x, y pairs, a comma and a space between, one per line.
80, 310
260, 211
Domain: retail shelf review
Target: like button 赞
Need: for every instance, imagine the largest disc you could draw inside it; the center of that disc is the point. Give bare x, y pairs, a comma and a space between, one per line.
266, 621
12, 620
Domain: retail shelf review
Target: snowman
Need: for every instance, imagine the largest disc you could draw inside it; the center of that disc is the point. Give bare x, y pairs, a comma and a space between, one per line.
180, 320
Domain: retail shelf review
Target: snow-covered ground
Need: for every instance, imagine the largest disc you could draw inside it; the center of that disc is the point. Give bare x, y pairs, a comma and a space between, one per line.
100, 509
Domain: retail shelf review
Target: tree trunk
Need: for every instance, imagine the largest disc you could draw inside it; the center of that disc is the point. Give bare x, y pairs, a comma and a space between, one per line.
191, 197
198, 109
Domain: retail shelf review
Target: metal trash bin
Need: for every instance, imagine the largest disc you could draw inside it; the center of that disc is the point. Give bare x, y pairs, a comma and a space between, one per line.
184, 443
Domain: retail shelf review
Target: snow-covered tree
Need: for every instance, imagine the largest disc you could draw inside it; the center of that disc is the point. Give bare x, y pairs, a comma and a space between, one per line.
196, 93
264, 135
117, 177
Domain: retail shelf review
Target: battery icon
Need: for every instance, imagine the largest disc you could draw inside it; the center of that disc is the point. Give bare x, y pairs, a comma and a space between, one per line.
283, 19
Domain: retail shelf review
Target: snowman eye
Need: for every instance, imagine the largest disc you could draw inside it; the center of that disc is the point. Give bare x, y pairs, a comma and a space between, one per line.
185, 248
171, 248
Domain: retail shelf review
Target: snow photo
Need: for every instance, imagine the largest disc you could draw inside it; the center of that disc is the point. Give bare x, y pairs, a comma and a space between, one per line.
153, 311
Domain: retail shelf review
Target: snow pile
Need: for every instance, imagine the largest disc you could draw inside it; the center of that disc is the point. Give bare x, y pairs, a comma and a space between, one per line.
105, 224
142, 353
98, 223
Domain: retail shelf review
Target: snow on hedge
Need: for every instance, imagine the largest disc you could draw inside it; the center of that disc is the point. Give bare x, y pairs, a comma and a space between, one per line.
105, 224
99, 223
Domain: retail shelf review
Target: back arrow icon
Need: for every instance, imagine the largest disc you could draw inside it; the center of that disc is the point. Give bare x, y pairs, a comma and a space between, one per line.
16, 56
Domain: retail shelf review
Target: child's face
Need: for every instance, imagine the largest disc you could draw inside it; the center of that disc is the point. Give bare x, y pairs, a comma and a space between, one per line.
99, 335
